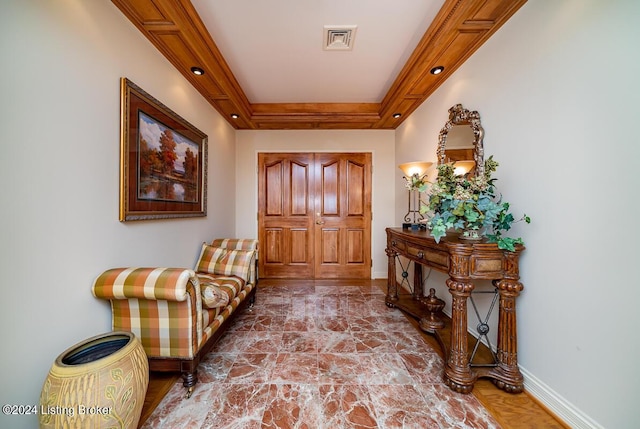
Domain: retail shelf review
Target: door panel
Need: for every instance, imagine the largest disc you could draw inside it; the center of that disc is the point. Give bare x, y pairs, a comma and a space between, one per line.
355, 189
272, 239
314, 215
275, 189
330, 241
299, 246
285, 215
299, 189
329, 189
355, 250
343, 215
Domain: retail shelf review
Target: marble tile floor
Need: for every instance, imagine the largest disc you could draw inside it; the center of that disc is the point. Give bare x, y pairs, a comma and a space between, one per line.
320, 357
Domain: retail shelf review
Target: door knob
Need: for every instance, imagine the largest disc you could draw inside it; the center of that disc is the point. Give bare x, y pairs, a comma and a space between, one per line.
320, 222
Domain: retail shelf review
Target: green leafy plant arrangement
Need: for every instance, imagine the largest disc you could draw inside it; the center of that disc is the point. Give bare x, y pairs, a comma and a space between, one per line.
415, 183
470, 203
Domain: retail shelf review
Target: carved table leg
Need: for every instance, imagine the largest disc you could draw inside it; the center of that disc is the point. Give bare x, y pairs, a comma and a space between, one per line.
507, 373
418, 293
392, 286
458, 374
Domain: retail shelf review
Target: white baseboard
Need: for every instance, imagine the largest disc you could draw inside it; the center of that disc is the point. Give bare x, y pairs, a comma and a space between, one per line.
380, 275
562, 408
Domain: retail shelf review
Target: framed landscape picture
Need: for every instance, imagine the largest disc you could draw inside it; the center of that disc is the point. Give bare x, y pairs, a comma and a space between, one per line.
163, 160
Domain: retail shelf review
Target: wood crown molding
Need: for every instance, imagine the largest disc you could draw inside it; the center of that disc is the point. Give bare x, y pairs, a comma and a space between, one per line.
458, 30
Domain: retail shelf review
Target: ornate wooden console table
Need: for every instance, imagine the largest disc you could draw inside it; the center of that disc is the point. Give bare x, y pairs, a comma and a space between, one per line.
464, 262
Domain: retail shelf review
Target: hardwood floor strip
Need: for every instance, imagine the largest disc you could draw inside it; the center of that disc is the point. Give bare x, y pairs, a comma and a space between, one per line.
159, 385
514, 411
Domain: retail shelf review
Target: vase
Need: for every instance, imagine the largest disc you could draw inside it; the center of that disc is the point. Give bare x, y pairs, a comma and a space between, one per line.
100, 382
471, 235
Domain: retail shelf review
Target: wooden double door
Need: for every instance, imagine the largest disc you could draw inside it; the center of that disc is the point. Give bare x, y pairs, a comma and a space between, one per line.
314, 215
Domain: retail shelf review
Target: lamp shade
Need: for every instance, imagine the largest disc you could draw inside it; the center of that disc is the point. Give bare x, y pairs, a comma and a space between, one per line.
460, 168
418, 167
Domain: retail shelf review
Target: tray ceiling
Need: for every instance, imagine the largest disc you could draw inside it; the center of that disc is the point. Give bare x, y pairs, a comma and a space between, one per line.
266, 61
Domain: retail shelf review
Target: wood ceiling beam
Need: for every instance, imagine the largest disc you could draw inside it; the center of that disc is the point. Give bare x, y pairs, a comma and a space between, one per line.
315, 115
457, 31
177, 31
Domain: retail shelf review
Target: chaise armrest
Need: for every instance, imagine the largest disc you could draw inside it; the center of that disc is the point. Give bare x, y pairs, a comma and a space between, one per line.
161, 306
170, 284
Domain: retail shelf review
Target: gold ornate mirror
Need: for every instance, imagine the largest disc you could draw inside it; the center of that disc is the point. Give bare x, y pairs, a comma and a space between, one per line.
460, 141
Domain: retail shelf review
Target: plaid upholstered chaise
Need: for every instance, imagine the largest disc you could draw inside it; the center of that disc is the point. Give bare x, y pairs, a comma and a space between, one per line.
177, 313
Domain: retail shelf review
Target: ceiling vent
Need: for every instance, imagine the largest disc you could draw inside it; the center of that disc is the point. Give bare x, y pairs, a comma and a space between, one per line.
339, 37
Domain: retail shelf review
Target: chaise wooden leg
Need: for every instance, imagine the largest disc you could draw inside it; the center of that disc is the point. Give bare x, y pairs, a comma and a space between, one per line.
189, 380
252, 301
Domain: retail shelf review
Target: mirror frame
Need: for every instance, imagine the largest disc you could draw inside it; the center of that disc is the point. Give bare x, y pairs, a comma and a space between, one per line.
458, 115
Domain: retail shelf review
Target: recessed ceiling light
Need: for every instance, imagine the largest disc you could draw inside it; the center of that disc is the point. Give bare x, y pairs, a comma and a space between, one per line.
197, 71
397, 115
437, 70
235, 116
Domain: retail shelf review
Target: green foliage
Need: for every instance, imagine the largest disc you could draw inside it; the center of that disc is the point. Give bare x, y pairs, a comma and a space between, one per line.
469, 203
416, 183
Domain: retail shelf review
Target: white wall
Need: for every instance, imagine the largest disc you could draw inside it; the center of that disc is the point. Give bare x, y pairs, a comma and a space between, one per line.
380, 143
557, 89
59, 80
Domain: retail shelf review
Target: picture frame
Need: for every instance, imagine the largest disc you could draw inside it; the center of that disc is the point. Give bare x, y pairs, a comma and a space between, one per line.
163, 160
